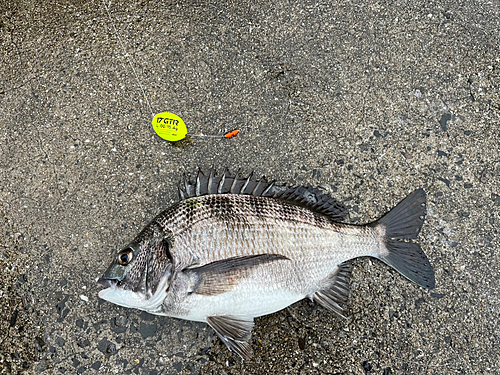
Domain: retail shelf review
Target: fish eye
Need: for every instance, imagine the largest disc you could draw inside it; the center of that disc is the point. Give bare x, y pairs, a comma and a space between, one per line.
125, 256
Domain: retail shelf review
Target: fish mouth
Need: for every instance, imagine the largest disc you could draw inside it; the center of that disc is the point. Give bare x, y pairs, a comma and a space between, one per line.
108, 283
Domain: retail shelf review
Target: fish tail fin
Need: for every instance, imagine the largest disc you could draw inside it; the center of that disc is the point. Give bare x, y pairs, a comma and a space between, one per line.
404, 222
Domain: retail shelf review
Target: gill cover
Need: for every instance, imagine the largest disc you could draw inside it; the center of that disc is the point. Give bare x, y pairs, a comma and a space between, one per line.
140, 274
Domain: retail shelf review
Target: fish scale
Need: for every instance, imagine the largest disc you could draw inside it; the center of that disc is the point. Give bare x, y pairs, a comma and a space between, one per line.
277, 227
237, 248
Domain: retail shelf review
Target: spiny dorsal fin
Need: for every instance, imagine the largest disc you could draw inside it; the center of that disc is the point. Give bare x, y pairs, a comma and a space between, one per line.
312, 198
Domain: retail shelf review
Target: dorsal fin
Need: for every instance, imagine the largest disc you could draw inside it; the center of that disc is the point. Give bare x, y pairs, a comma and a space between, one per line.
312, 198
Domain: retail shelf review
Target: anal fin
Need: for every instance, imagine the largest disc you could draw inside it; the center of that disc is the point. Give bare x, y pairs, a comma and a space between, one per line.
337, 292
233, 332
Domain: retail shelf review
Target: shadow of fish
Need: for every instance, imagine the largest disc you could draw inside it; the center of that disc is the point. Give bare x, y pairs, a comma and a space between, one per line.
237, 248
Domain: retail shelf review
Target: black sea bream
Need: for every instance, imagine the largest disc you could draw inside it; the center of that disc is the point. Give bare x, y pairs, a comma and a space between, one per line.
237, 248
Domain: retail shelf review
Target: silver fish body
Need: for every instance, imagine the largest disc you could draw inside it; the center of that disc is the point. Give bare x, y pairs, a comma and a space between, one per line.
224, 257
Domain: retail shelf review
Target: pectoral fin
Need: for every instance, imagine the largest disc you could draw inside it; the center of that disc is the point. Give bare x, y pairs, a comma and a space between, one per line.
221, 276
234, 332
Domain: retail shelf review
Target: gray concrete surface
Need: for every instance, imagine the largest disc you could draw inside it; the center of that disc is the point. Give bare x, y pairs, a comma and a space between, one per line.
368, 99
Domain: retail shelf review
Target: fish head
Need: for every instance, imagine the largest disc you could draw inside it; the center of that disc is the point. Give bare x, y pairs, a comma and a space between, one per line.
140, 273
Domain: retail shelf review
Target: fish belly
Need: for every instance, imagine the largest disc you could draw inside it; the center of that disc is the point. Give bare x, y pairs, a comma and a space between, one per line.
244, 302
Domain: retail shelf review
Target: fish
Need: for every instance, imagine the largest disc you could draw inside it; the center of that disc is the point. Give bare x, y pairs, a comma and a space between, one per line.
236, 248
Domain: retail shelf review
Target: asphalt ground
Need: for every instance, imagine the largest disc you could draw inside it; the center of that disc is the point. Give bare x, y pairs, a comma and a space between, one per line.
368, 99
